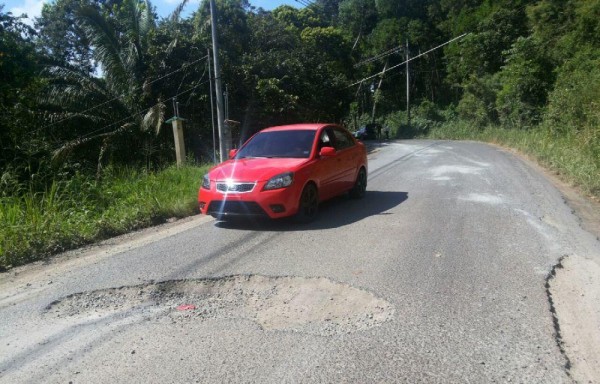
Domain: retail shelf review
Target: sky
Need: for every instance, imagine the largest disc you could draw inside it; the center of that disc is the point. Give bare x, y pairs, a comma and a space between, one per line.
33, 8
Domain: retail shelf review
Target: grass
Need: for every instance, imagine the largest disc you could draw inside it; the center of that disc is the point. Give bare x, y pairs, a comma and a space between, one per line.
80, 210
576, 158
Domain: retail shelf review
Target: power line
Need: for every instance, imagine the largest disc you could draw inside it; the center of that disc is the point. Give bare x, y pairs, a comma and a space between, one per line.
309, 3
88, 135
117, 97
306, 3
407, 61
379, 56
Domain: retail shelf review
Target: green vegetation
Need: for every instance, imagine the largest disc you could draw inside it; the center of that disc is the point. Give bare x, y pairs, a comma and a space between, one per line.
81, 210
84, 94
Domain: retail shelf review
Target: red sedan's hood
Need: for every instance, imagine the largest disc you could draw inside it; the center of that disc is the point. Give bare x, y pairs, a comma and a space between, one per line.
259, 169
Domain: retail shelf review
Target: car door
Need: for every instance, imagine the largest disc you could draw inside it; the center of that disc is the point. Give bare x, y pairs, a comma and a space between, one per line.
330, 173
348, 158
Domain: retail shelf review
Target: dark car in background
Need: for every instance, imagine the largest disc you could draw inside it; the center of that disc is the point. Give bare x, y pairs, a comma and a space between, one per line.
368, 132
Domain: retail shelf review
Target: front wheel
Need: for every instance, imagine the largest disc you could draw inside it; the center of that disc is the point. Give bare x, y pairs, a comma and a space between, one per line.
359, 189
308, 205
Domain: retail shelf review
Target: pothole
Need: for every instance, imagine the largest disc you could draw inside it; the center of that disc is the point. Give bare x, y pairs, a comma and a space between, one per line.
311, 305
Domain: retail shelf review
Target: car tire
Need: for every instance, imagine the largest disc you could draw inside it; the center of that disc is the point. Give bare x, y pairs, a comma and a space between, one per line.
308, 206
359, 189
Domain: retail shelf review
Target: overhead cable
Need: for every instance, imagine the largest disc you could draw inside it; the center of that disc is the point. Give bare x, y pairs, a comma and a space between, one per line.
89, 134
409, 60
379, 56
117, 97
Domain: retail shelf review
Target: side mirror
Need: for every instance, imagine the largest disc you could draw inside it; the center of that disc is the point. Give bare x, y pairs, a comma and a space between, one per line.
232, 153
327, 151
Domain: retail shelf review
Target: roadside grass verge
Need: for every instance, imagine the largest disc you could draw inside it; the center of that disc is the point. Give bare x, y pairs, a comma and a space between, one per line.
80, 210
575, 158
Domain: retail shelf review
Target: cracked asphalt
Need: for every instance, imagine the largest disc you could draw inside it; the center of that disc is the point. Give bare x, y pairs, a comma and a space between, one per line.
444, 268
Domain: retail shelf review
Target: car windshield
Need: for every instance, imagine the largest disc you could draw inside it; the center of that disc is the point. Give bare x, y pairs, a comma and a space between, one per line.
292, 143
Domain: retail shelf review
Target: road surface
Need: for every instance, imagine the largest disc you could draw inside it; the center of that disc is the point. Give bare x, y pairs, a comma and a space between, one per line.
443, 273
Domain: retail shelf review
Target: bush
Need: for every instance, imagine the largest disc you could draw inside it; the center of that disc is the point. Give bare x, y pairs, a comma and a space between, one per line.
574, 104
525, 81
80, 210
478, 103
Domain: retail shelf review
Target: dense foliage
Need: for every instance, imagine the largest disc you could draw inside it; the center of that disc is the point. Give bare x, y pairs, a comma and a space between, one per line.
93, 83
88, 88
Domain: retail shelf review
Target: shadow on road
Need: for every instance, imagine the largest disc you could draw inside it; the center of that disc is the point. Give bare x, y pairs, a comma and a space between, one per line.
334, 213
374, 145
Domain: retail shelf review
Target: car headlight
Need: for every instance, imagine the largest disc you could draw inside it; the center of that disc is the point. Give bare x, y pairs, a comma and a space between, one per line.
282, 180
206, 182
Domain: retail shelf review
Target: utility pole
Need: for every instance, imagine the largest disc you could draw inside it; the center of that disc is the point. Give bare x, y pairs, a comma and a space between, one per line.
224, 132
226, 103
407, 87
212, 108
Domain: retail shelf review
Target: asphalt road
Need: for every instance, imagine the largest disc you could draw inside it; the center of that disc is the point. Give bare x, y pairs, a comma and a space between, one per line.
438, 275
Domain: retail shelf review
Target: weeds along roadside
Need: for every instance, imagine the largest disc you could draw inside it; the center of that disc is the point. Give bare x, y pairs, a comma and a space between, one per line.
80, 211
575, 158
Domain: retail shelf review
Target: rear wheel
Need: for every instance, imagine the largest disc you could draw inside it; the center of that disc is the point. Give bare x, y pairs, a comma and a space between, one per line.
309, 204
360, 185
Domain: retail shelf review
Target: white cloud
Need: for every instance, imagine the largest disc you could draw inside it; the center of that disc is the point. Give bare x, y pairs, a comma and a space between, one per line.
33, 8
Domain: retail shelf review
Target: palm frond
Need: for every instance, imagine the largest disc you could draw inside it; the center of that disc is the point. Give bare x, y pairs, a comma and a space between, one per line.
171, 46
64, 76
106, 47
60, 154
68, 87
176, 14
80, 96
132, 22
146, 23
154, 118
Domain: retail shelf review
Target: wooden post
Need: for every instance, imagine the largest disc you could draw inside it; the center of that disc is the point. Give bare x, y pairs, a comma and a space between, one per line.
177, 123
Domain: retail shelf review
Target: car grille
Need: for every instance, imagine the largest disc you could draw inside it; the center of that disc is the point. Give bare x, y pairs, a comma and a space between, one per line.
235, 208
235, 187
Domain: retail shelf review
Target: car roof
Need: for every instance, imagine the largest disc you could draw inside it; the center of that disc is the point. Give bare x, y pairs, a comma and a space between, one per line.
305, 126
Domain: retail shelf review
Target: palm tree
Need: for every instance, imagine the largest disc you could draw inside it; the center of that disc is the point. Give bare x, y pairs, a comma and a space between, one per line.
120, 100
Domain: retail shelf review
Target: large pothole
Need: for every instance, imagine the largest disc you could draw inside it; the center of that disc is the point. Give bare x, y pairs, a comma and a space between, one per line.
311, 305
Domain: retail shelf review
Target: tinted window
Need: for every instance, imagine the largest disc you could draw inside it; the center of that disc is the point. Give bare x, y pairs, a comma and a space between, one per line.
292, 143
342, 139
325, 139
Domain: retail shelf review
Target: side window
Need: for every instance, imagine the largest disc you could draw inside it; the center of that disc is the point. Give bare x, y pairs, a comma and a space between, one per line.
325, 140
342, 140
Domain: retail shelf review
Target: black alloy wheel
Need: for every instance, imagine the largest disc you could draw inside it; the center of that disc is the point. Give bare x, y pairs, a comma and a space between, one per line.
309, 204
360, 186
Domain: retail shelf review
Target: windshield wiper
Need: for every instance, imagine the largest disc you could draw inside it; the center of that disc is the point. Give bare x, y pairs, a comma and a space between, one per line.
251, 157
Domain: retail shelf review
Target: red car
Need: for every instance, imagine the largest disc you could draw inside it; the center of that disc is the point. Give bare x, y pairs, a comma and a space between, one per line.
286, 171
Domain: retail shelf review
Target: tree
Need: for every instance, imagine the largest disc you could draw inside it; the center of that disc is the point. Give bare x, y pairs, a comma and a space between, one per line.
121, 101
358, 17
20, 64
526, 79
62, 38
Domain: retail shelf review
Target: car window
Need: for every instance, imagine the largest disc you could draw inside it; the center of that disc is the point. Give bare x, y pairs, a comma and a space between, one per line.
325, 139
342, 139
290, 143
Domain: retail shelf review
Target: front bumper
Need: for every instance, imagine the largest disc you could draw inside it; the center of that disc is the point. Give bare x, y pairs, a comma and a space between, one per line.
272, 204
221, 209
